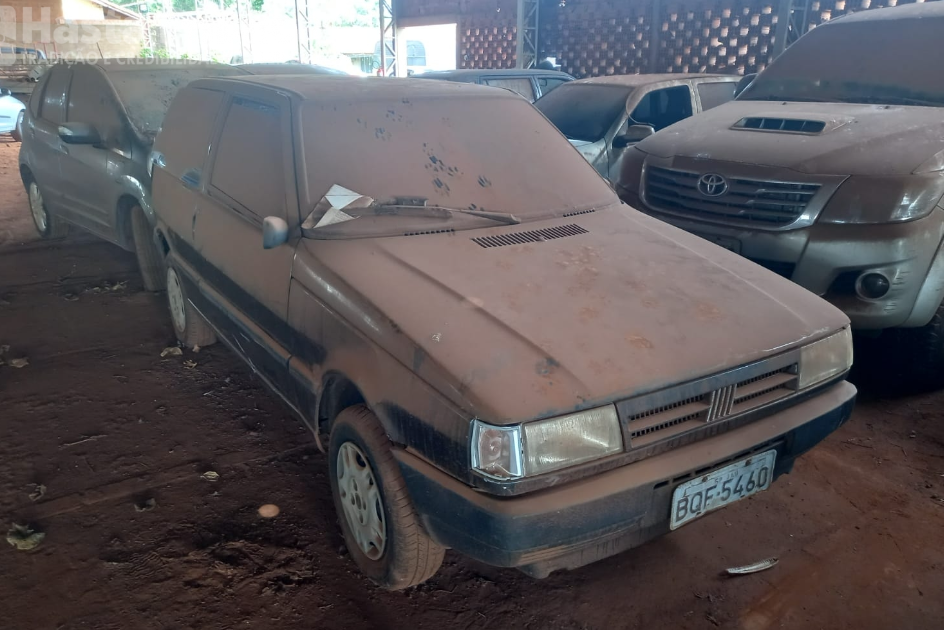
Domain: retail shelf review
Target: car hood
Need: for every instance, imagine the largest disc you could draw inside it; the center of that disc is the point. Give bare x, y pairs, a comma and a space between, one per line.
624, 305
857, 139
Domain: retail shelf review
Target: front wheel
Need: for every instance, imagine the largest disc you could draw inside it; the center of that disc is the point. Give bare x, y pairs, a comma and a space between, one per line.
919, 352
189, 326
380, 527
17, 132
150, 260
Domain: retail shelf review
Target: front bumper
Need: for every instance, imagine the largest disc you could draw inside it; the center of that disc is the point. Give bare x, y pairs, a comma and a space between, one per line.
578, 523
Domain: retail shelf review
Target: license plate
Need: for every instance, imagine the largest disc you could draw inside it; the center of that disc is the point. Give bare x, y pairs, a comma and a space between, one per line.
724, 486
729, 244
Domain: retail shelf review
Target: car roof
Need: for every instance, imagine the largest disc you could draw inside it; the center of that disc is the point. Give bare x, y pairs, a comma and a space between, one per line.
337, 89
469, 75
904, 12
636, 80
288, 68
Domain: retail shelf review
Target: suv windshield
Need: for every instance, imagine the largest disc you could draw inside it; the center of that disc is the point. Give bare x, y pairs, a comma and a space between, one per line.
871, 61
486, 155
582, 111
146, 92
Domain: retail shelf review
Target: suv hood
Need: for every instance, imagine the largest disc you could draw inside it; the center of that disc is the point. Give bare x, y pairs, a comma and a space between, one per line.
857, 139
533, 330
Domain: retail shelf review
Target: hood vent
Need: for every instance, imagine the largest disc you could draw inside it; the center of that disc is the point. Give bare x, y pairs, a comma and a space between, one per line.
782, 125
576, 212
531, 236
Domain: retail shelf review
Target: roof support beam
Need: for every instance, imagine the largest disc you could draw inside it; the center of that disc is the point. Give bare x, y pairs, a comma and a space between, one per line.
528, 22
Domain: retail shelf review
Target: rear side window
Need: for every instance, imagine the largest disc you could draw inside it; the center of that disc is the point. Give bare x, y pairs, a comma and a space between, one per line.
661, 108
185, 138
521, 85
55, 95
714, 94
36, 98
248, 165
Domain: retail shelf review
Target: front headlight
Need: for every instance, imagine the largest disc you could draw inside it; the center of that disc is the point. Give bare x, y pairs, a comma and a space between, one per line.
547, 445
826, 358
884, 199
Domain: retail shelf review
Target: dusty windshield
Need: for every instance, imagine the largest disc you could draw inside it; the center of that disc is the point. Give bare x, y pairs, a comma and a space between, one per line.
851, 63
147, 92
584, 112
453, 161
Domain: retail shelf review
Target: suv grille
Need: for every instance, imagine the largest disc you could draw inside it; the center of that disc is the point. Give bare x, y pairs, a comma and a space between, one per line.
657, 416
751, 200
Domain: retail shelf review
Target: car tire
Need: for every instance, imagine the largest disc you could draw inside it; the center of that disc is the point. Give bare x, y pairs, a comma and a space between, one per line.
17, 132
150, 260
189, 326
920, 352
47, 225
381, 529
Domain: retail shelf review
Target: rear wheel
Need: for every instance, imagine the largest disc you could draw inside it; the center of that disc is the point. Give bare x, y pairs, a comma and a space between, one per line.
189, 326
46, 224
150, 260
380, 527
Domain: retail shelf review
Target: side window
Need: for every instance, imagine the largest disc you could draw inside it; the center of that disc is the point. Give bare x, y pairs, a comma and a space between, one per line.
92, 100
521, 85
185, 136
36, 98
54, 96
714, 94
661, 108
248, 165
549, 84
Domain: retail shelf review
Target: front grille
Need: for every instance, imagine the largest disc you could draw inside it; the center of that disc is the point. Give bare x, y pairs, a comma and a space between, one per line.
657, 416
770, 203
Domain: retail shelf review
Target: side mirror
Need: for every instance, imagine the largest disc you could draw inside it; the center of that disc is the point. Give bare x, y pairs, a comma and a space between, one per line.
744, 83
79, 133
6, 92
634, 134
274, 232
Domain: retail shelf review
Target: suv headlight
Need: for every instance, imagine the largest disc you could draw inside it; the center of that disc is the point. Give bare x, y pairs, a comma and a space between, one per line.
539, 447
884, 199
826, 358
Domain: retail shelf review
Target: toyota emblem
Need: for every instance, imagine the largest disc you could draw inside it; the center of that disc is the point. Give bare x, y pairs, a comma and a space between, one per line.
712, 185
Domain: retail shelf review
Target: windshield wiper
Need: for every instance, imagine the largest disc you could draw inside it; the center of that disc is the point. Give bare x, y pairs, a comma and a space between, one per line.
407, 209
891, 100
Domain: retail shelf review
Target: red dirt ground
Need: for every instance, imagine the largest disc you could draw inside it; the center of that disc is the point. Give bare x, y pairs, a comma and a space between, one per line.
106, 425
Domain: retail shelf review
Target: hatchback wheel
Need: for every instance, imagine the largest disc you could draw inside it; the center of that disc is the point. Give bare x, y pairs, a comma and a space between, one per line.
380, 526
189, 326
47, 225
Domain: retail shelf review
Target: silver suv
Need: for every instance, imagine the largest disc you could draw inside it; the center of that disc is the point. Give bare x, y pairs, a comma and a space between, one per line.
87, 136
829, 170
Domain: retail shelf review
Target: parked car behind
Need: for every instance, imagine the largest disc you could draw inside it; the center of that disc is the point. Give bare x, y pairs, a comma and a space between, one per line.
603, 116
11, 114
828, 169
289, 68
87, 135
505, 359
531, 84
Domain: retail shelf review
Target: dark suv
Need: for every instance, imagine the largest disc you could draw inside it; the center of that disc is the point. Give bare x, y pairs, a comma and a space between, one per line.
87, 135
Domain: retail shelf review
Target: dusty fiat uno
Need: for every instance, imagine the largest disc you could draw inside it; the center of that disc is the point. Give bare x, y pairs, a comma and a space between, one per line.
500, 357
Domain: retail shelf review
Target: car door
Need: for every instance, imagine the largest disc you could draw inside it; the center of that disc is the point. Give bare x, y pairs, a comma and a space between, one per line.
713, 93
89, 171
251, 177
656, 106
43, 144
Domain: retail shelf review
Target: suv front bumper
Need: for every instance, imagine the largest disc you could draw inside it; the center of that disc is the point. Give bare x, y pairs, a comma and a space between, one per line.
578, 523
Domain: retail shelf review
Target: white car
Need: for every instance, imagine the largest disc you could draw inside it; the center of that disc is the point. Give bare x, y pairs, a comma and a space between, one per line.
11, 114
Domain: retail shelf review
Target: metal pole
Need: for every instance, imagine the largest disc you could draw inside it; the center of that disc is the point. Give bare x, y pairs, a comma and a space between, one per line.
528, 32
783, 28
655, 32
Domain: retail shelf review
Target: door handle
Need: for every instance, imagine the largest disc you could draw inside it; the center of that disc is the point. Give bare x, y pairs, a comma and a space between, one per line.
191, 178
